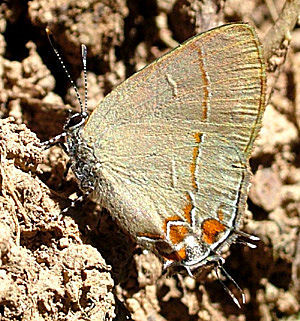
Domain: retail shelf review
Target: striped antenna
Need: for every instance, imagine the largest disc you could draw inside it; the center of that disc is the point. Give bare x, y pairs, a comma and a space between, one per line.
84, 54
51, 40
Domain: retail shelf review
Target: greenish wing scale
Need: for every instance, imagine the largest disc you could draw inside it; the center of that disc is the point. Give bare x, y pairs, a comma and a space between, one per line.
182, 126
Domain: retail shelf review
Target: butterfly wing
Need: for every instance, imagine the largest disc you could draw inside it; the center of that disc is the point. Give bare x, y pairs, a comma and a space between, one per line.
173, 141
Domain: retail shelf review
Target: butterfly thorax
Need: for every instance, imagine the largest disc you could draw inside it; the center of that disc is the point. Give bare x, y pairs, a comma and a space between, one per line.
82, 158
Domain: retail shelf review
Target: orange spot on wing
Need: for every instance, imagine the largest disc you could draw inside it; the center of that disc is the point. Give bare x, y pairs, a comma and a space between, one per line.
177, 232
198, 138
188, 209
204, 87
220, 214
210, 230
170, 219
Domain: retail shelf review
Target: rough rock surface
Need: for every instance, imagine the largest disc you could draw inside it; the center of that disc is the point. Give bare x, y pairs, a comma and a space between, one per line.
80, 265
